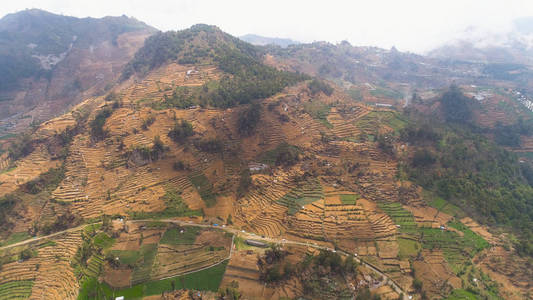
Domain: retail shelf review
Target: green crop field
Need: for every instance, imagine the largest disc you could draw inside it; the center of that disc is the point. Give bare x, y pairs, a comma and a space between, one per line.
126, 257
172, 236
461, 294
16, 289
308, 192
205, 280
408, 247
349, 199
103, 240
400, 216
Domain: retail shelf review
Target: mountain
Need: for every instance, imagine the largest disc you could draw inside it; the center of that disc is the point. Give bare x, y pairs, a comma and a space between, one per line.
318, 171
258, 40
50, 62
514, 46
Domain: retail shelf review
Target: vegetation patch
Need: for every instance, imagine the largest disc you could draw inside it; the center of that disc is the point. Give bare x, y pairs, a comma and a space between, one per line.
381, 92
349, 199
204, 188
250, 79
20, 289
318, 111
181, 131
283, 155
315, 86
126, 257
249, 119
401, 217
180, 235
15, 238
175, 207
97, 125
469, 171
103, 240
205, 280
408, 247
460, 294
377, 119
307, 192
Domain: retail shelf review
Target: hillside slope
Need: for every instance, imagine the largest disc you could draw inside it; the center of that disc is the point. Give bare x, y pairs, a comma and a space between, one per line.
201, 130
48, 62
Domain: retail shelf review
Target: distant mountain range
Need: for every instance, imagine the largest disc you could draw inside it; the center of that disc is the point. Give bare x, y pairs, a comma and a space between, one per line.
477, 45
263, 40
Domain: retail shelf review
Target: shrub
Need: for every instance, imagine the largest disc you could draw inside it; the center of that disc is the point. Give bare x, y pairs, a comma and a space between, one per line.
209, 145
21, 147
316, 86
181, 131
456, 106
249, 119
97, 125
147, 122
287, 155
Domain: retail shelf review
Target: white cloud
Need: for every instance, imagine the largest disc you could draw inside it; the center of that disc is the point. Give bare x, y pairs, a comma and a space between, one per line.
413, 25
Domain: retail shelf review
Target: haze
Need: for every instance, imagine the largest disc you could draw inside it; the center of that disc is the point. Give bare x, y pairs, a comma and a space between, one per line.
416, 26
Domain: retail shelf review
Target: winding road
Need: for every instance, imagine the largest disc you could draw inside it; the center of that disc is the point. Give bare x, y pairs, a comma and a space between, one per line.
389, 281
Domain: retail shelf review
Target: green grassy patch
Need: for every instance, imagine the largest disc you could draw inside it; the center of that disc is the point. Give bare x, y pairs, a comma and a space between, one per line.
47, 244
349, 199
15, 237
458, 250
20, 289
444, 206
472, 240
307, 192
375, 119
205, 188
205, 280
142, 269
400, 216
408, 247
460, 294
240, 244
103, 240
318, 111
126, 257
173, 236
386, 93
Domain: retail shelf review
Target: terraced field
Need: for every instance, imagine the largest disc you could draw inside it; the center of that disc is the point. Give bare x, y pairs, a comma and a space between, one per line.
305, 193
47, 274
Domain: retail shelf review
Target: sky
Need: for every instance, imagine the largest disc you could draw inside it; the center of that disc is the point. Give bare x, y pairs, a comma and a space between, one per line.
409, 25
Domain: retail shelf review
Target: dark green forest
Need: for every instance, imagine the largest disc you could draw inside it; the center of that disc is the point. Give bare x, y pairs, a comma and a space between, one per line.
457, 162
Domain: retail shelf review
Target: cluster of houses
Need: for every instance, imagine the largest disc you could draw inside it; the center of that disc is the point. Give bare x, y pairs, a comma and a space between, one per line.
524, 100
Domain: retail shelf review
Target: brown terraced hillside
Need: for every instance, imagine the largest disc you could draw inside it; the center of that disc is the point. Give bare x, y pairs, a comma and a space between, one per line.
158, 185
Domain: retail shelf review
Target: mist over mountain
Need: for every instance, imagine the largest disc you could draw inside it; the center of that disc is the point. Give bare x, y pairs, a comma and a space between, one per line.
258, 40
514, 45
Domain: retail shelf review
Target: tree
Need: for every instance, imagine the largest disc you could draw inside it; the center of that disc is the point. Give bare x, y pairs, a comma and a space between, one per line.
181, 131
249, 119
316, 86
456, 105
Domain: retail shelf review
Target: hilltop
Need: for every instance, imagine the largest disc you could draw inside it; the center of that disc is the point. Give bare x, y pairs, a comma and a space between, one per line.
361, 173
